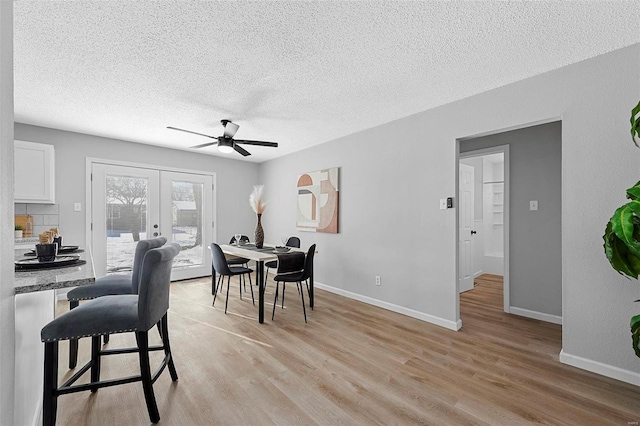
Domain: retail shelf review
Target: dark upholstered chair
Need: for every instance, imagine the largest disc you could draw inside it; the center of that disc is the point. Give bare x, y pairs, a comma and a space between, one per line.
235, 260
110, 285
273, 264
290, 262
222, 268
111, 314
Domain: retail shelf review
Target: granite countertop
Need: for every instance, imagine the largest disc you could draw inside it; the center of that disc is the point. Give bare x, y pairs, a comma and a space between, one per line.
50, 279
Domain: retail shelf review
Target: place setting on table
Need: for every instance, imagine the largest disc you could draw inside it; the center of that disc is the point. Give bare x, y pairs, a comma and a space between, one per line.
50, 253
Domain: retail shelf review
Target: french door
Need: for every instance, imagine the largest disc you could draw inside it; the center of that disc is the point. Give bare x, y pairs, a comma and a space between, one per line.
133, 203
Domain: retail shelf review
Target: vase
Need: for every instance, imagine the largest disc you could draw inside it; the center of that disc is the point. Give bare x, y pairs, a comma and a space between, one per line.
259, 233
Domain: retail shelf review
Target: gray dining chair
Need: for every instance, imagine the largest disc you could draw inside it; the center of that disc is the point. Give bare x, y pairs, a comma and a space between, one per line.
222, 269
110, 285
111, 314
287, 263
273, 264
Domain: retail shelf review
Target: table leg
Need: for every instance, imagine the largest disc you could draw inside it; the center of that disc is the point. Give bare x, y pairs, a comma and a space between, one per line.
260, 279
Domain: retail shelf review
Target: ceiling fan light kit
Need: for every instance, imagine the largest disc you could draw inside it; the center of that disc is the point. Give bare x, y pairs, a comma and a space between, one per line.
227, 143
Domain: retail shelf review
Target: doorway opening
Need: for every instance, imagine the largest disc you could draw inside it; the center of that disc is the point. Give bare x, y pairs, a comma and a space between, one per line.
483, 218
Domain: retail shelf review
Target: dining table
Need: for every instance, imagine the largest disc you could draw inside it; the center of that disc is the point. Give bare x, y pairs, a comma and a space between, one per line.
260, 256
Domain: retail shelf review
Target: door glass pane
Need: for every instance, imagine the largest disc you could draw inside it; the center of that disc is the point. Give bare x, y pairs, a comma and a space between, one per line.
186, 223
126, 215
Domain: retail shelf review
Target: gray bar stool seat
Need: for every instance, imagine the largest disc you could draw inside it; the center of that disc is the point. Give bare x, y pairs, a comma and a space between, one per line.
109, 315
110, 285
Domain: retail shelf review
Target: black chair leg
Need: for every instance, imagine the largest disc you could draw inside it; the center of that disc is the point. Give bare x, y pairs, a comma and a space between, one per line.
145, 371
167, 348
284, 286
95, 361
275, 301
309, 292
226, 303
50, 398
240, 281
304, 310
215, 293
251, 287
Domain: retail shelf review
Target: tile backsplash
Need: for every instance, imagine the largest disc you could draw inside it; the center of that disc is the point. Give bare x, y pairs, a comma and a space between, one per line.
44, 216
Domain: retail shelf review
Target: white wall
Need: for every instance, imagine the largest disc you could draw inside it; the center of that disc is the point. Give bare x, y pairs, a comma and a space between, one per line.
235, 179
7, 333
393, 175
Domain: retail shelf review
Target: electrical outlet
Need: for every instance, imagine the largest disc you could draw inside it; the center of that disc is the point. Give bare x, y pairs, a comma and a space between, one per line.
533, 205
77, 207
378, 280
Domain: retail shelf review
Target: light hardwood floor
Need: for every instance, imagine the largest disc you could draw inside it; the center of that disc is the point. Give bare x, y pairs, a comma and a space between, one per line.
353, 364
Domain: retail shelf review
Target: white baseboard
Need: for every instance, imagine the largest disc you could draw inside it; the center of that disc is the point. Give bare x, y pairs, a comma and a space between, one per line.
600, 368
555, 319
451, 325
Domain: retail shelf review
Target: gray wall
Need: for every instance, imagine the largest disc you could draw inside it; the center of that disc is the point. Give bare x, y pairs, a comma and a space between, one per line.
7, 327
235, 179
393, 175
535, 243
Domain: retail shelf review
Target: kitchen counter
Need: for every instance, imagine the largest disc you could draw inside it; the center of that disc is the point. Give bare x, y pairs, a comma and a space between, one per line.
50, 279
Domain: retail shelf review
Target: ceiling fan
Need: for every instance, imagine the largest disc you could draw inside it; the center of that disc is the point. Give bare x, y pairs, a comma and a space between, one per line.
226, 143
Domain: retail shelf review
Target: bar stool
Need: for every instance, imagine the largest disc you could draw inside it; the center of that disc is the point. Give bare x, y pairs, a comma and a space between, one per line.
136, 313
110, 285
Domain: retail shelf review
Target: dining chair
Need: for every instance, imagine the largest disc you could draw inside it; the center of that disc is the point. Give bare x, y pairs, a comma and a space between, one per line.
288, 262
273, 264
237, 260
222, 269
110, 285
112, 314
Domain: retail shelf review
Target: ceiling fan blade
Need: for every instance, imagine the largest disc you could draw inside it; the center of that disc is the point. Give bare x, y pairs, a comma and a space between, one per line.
259, 143
189, 131
203, 145
241, 150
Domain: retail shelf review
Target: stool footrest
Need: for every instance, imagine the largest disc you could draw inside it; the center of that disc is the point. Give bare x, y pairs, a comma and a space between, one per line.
62, 390
128, 350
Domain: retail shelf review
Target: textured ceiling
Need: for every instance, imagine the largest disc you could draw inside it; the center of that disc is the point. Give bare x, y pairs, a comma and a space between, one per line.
297, 73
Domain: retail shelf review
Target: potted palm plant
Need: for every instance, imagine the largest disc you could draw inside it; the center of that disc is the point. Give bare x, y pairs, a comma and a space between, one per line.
17, 233
622, 235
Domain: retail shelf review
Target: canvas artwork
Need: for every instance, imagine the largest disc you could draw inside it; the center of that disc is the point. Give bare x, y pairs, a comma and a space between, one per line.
318, 201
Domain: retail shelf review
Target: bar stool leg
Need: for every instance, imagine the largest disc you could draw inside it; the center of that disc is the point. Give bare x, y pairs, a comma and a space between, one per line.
50, 398
95, 361
145, 371
167, 348
73, 343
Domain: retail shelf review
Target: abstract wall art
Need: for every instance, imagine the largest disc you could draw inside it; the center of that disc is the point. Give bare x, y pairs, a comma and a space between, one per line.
317, 204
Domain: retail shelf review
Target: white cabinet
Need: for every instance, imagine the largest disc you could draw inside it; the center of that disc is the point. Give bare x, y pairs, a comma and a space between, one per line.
34, 171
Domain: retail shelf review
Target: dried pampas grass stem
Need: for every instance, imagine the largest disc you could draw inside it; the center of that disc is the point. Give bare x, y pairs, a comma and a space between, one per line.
255, 199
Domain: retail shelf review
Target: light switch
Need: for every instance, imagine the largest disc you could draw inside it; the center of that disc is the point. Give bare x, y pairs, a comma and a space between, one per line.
77, 207
533, 205
443, 203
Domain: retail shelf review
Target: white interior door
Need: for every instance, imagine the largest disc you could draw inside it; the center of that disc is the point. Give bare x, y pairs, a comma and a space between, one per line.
133, 203
465, 219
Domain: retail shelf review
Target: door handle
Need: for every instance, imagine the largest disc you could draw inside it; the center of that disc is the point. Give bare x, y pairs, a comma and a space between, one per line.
473, 232
155, 234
